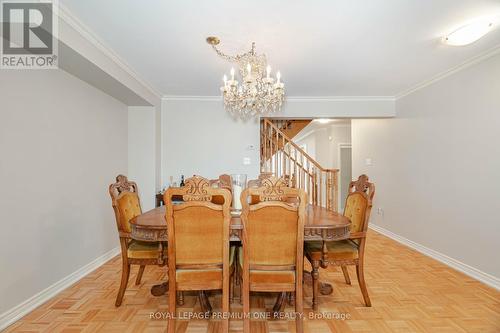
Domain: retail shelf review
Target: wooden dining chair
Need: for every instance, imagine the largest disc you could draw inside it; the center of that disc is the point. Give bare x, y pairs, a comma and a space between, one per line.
126, 205
273, 240
346, 252
198, 236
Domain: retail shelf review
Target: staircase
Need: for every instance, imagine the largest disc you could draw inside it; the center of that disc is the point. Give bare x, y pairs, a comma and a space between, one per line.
280, 156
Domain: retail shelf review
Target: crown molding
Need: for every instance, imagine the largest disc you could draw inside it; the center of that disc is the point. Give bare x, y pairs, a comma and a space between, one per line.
191, 98
287, 99
340, 98
472, 61
65, 14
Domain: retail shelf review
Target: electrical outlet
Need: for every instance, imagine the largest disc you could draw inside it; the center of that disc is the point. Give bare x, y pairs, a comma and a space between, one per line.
380, 211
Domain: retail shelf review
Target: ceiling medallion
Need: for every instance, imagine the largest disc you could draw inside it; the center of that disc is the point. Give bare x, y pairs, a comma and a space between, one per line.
258, 93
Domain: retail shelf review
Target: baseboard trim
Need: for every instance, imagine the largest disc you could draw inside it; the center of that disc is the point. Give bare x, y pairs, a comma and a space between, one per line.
9, 317
474, 273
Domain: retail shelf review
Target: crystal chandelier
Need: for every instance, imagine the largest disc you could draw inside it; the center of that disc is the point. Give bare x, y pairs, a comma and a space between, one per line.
258, 93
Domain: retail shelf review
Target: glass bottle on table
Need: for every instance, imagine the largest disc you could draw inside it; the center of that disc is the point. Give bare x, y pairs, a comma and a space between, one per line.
182, 181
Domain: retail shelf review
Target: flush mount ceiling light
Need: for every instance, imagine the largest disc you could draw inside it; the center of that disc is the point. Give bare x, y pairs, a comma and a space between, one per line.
323, 120
469, 33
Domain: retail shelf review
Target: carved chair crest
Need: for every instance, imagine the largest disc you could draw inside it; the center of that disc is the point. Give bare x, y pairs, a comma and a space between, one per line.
363, 185
265, 175
196, 189
274, 189
122, 185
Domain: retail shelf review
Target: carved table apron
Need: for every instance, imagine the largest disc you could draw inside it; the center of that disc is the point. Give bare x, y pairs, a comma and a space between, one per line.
320, 224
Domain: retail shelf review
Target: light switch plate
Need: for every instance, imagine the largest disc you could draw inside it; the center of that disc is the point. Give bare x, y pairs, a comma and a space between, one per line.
368, 161
246, 161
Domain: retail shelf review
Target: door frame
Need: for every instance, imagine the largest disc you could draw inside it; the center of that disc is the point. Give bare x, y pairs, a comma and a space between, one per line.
341, 146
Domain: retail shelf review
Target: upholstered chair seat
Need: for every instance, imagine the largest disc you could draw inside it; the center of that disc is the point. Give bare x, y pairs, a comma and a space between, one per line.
285, 279
203, 276
144, 250
337, 250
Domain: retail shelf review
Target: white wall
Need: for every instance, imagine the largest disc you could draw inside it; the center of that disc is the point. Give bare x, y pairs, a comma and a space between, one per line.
62, 143
309, 141
142, 151
324, 141
436, 165
199, 137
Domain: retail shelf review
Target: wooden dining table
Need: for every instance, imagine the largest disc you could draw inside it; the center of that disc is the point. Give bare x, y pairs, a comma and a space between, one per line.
320, 224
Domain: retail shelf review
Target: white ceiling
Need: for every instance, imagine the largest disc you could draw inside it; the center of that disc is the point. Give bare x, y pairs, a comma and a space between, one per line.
323, 47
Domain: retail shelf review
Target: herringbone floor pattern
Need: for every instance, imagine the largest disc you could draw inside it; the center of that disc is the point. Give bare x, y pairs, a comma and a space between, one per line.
410, 293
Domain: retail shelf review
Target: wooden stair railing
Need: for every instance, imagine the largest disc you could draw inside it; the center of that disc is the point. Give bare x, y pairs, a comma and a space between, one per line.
282, 157
290, 127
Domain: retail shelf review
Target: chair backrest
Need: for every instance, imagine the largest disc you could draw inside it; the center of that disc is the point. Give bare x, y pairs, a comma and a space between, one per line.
224, 181
359, 203
258, 182
125, 200
198, 229
273, 230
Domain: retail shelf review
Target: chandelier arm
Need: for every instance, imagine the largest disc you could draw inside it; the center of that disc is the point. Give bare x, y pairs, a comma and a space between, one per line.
230, 58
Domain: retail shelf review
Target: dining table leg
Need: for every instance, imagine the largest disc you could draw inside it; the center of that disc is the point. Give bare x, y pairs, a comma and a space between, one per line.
204, 302
279, 305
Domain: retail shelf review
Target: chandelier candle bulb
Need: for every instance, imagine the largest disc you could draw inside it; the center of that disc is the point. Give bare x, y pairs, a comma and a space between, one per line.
268, 69
249, 69
278, 77
232, 74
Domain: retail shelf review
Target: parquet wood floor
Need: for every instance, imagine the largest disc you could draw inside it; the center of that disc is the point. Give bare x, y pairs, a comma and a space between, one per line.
409, 291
